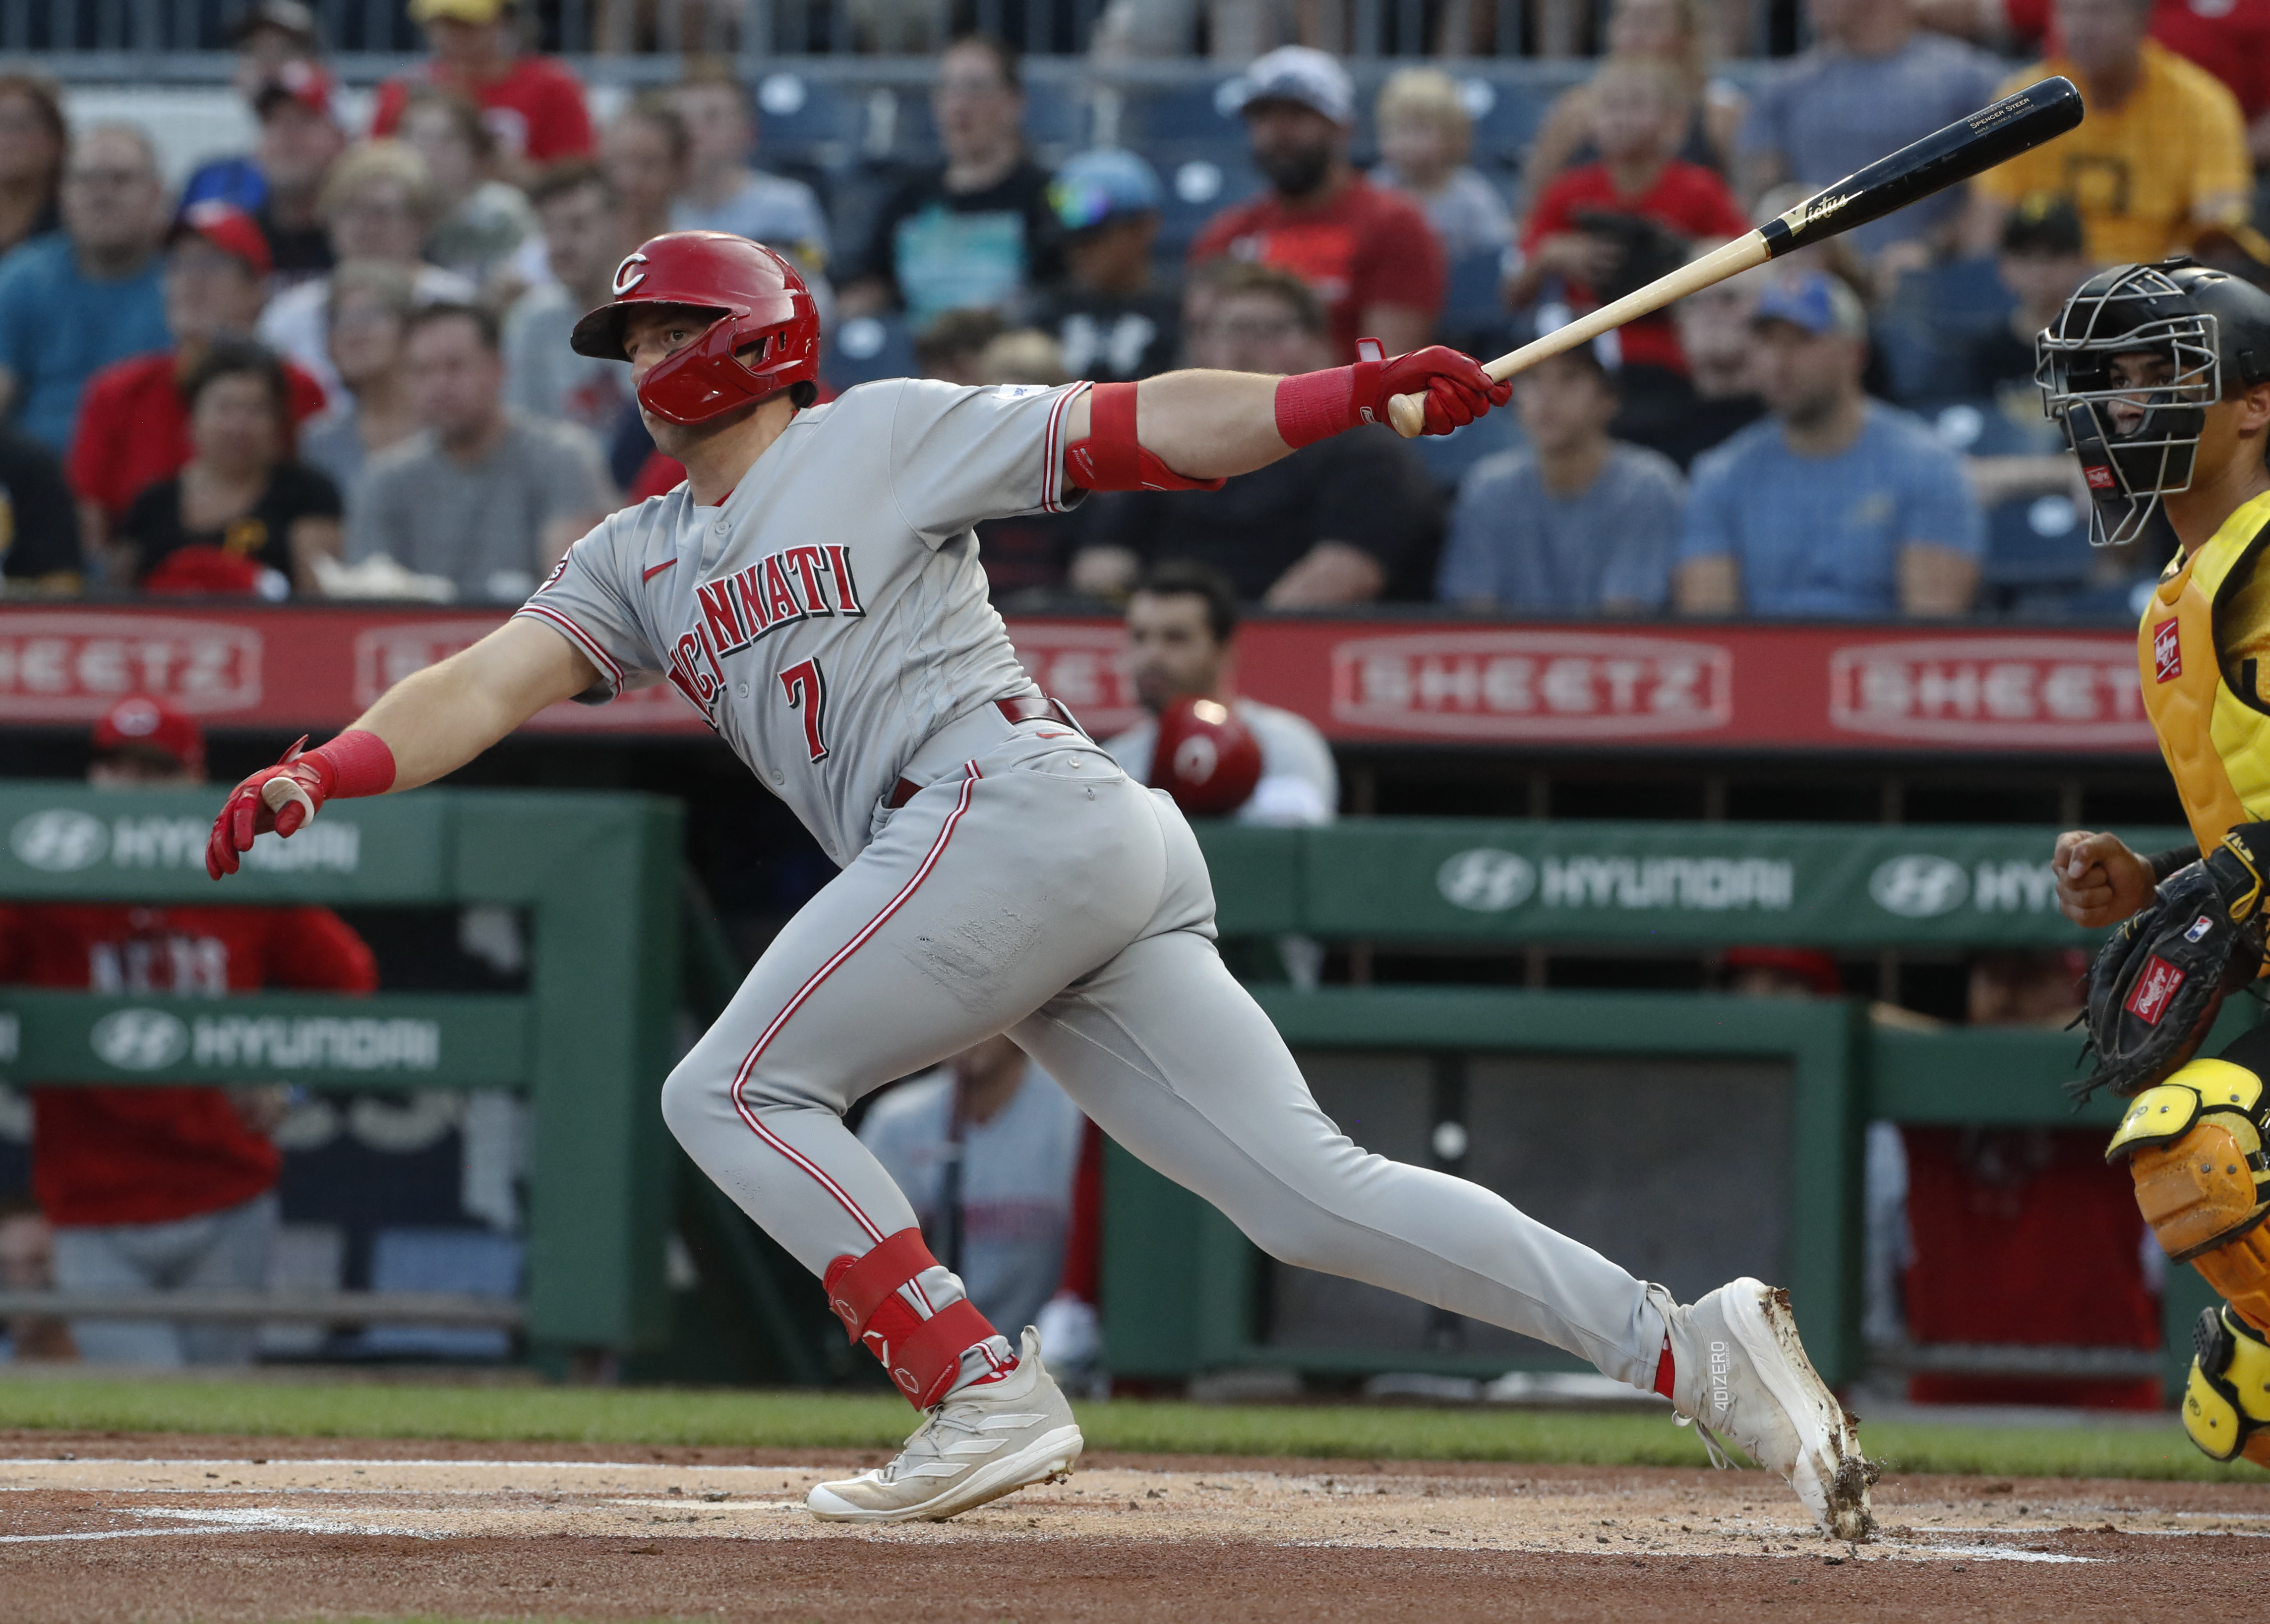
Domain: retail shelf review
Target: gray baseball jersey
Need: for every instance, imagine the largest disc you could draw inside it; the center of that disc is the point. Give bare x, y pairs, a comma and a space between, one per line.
830, 615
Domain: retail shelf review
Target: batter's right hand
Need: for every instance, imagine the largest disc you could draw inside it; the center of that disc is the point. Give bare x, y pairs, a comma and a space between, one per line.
280, 797
2099, 880
1454, 386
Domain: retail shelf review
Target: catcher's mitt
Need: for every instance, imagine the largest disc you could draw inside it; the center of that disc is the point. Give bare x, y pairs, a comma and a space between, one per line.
2159, 981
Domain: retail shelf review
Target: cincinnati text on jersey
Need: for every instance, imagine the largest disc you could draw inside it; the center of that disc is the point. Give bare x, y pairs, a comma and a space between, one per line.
781, 589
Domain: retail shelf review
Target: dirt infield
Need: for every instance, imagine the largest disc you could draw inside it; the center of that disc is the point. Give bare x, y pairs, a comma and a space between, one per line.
164, 1528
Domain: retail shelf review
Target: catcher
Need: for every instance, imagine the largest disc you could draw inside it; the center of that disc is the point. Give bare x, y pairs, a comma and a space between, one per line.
2160, 376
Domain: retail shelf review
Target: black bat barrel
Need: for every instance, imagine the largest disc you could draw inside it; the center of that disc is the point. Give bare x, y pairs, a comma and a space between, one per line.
1969, 146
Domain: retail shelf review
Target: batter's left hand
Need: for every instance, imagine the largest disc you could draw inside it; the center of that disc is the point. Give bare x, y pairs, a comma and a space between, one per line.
1455, 388
280, 797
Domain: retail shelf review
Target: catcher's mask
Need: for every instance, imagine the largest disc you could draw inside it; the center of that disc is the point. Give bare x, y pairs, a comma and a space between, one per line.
2188, 333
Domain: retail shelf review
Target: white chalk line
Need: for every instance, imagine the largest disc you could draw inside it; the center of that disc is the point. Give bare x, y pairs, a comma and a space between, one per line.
368, 1461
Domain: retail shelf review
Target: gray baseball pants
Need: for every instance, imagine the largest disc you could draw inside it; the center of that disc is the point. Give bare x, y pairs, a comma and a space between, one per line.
1041, 891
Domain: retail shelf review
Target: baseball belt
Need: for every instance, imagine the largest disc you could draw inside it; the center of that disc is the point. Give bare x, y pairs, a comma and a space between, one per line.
1024, 708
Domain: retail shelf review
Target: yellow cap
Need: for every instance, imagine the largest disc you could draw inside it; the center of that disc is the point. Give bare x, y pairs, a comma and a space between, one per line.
456, 10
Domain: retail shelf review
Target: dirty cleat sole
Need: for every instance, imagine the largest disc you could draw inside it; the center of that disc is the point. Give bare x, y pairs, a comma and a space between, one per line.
1830, 1474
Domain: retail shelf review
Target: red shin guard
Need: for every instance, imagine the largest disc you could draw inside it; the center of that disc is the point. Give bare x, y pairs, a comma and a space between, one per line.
923, 1352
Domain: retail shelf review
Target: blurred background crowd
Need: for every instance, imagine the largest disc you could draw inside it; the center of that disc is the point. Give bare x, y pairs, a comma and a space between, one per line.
336, 364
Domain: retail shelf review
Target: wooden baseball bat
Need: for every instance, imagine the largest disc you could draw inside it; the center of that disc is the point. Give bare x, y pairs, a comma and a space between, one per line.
1969, 146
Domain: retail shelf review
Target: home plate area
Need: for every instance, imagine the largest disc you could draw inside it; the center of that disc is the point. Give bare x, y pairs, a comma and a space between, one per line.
345, 1534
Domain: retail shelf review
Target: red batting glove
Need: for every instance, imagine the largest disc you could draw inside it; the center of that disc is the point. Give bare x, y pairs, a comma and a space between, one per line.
284, 797
1315, 404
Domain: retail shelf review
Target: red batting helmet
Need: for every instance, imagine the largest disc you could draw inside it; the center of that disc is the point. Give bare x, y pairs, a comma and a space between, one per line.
1205, 758
759, 299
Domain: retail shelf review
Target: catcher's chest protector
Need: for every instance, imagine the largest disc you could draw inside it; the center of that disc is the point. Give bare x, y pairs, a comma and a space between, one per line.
2216, 745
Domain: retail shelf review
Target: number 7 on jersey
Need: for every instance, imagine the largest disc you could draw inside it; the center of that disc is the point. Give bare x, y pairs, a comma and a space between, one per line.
806, 690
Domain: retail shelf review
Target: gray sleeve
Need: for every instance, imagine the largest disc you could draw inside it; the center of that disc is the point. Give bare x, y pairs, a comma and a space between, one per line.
1648, 520
528, 384
1299, 782
576, 481
1765, 127
962, 455
811, 224
377, 518
1467, 573
1131, 750
588, 602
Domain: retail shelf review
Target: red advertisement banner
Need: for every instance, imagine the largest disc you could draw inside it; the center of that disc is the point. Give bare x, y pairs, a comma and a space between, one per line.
1635, 687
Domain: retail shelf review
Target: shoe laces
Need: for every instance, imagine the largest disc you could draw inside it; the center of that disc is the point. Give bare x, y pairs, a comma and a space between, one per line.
1713, 1445
948, 1415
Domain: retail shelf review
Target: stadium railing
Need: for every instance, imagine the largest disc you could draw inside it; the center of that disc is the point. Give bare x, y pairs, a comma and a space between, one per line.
611, 28
1184, 1292
598, 877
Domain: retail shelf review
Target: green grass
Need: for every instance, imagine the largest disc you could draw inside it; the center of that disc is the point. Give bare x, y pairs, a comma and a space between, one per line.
799, 1420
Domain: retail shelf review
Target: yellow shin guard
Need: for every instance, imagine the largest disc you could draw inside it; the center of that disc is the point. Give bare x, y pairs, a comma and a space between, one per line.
2226, 1402
2194, 1146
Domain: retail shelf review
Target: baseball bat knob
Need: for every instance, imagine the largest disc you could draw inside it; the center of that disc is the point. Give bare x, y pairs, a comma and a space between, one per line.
1408, 414
278, 793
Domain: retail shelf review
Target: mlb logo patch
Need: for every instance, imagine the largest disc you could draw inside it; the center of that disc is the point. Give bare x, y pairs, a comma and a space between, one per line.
2167, 653
2099, 478
2200, 926
2148, 1000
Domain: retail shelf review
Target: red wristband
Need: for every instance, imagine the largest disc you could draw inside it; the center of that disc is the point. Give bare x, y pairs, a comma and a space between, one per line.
1315, 405
354, 763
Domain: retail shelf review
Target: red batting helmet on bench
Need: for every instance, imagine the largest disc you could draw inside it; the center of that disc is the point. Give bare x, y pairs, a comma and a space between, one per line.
760, 301
1205, 758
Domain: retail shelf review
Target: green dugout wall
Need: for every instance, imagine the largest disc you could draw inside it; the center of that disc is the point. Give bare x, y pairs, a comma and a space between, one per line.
598, 878
1184, 1292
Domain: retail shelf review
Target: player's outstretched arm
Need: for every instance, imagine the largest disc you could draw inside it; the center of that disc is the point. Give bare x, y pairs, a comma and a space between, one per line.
1191, 427
427, 725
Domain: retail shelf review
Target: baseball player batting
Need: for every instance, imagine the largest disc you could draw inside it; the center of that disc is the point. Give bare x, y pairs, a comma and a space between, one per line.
814, 591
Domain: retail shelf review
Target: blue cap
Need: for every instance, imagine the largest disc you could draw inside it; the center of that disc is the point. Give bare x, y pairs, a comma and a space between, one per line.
1815, 301
1102, 185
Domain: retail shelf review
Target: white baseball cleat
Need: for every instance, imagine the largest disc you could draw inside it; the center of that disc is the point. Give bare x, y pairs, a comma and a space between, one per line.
1741, 1374
974, 1445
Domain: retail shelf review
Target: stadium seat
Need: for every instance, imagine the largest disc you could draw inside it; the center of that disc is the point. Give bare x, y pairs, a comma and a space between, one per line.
1203, 112
1928, 315
2038, 561
808, 120
866, 348
1056, 118
1202, 178
2036, 541
1979, 425
1471, 295
1506, 115
476, 1262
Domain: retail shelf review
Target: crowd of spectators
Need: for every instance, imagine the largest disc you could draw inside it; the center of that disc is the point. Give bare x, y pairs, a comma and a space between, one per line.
338, 363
